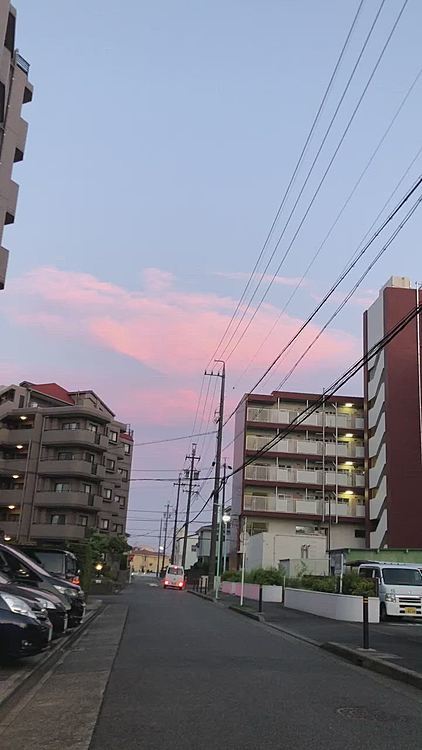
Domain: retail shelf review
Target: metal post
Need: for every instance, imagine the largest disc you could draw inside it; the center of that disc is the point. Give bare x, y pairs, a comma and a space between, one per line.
159, 545
214, 524
176, 514
243, 561
220, 530
365, 620
260, 599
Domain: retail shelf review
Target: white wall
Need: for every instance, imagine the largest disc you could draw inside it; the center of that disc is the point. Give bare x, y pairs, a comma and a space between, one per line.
267, 549
333, 606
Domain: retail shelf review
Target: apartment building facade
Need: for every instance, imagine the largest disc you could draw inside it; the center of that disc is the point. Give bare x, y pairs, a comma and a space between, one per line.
310, 483
15, 90
393, 415
65, 464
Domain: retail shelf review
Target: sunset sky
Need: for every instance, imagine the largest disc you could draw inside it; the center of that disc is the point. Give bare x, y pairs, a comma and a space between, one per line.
162, 136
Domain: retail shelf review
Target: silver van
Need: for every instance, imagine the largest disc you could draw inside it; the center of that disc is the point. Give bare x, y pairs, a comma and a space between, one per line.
399, 587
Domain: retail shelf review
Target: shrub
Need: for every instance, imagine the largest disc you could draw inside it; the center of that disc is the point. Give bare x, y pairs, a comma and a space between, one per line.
356, 586
265, 577
353, 584
231, 575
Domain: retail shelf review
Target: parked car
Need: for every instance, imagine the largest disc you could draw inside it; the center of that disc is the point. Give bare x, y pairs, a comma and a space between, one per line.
58, 562
25, 629
24, 571
56, 606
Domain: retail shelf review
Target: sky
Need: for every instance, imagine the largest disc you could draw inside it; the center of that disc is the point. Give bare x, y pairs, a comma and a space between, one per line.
162, 138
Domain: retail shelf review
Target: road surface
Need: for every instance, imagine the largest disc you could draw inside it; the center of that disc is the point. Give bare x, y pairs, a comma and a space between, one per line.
191, 675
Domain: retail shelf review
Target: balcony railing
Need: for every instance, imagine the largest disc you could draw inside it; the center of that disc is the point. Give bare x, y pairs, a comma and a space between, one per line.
304, 476
312, 507
280, 416
306, 447
22, 63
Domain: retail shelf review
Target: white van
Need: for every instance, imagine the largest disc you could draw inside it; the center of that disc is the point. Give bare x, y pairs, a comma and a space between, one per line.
399, 588
174, 577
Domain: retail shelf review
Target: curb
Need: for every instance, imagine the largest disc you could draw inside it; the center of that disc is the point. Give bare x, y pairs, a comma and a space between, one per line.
202, 596
246, 613
375, 664
50, 658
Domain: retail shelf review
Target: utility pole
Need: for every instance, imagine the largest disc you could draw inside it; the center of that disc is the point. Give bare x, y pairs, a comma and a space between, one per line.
215, 506
176, 514
193, 457
166, 518
159, 546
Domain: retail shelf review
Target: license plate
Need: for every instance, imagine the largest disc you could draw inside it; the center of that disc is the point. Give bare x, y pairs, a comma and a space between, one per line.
410, 610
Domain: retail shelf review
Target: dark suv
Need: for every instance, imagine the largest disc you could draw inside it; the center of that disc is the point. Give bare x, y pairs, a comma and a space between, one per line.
57, 562
24, 571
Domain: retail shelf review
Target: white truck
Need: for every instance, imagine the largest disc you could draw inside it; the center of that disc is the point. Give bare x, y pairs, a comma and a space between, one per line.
399, 587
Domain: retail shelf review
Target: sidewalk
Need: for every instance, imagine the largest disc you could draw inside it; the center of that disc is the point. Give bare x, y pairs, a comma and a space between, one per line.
397, 642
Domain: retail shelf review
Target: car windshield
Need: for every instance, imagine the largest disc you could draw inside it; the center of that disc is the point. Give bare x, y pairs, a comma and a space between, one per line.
50, 560
175, 571
402, 576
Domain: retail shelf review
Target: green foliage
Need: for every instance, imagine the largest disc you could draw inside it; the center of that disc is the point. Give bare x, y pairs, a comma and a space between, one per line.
231, 575
353, 584
265, 577
84, 554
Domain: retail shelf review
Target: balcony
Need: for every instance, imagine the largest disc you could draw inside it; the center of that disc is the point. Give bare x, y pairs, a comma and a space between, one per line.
292, 504
87, 438
59, 532
305, 447
304, 476
71, 468
80, 500
10, 497
280, 416
11, 466
15, 437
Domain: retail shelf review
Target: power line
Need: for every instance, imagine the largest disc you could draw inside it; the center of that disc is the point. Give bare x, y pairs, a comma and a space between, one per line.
293, 177
330, 163
336, 386
349, 266
336, 220
181, 437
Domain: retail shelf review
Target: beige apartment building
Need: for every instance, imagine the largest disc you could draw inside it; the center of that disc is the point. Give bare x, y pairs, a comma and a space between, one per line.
305, 495
65, 464
15, 90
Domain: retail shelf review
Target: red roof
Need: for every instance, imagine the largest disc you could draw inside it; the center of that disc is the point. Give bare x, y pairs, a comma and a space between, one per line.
125, 436
53, 390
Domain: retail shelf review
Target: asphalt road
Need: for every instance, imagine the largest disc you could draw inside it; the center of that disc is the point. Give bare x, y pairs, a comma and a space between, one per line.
189, 675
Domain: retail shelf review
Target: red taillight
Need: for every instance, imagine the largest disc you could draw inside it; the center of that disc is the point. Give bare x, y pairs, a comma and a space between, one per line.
166, 583
76, 580
181, 584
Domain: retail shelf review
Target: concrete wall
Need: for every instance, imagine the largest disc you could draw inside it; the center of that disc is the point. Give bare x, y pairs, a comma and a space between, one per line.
251, 591
333, 606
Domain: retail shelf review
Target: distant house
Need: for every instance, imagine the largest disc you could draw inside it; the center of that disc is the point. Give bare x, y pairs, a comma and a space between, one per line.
144, 560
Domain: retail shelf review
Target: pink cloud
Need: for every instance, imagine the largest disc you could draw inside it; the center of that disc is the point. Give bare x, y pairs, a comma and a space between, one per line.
170, 331
266, 278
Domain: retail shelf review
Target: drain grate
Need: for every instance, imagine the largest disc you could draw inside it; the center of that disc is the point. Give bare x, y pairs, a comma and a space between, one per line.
367, 714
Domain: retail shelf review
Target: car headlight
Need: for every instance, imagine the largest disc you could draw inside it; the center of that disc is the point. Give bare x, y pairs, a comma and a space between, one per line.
46, 604
65, 590
390, 598
18, 606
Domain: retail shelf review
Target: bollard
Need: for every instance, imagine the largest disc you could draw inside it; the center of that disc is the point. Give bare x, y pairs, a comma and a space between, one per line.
260, 599
365, 620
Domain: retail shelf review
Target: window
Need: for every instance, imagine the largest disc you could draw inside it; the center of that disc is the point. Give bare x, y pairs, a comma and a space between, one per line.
110, 464
70, 426
127, 449
90, 457
104, 524
13, 563
107, 493
92, 427
124, 475
121, 500
117, 528
58, 519
21, 402
9, 41
62, 487
113, 436
83, 520
65, 456
360, 533
87, 488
